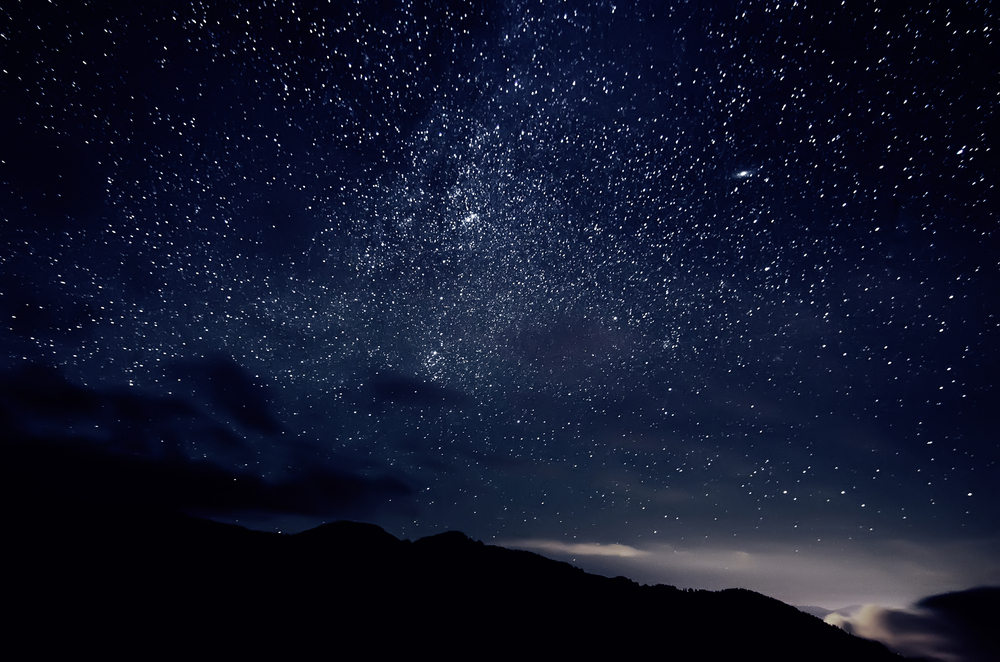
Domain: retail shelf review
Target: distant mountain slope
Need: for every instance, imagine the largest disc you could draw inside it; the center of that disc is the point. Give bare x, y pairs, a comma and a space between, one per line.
176, 585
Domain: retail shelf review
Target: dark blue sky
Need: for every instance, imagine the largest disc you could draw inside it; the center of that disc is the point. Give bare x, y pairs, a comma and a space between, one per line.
702, 294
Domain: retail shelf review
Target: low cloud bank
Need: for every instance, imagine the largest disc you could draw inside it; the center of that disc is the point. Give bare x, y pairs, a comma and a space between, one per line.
953, 627
892, 573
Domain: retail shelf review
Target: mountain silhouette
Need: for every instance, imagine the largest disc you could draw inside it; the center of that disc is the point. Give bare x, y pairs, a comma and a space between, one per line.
168, 585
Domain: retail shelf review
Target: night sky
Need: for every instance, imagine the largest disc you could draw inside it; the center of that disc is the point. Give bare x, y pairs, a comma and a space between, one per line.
703, 294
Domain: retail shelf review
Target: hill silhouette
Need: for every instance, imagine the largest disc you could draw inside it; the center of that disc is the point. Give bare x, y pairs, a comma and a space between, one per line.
173, 584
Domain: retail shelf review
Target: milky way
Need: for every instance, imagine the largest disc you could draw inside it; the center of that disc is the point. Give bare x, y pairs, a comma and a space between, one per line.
705, 282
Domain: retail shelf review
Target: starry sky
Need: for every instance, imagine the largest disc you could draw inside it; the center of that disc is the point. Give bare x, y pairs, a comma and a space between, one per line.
701, 293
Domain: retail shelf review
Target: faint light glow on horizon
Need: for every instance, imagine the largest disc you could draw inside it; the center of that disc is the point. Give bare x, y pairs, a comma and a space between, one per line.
891, 574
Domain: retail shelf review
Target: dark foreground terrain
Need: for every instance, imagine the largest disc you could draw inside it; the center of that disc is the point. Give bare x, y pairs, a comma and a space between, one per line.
101, 562
177, 585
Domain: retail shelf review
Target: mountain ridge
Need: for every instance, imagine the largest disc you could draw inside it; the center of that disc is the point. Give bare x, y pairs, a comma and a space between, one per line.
175, 583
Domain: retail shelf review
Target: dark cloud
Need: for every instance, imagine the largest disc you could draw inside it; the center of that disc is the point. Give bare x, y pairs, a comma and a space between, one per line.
971, 618
71, 447
233, 391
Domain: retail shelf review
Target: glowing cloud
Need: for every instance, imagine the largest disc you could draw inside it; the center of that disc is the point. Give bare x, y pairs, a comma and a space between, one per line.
576, 549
